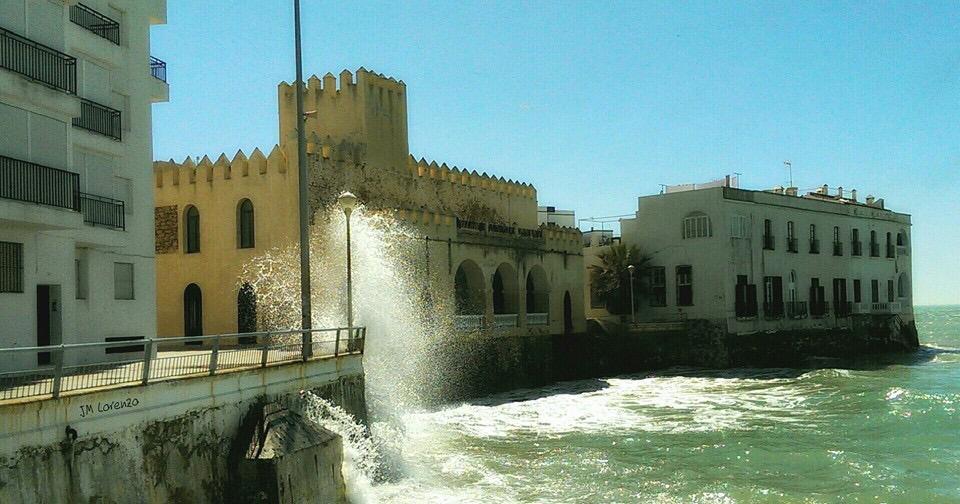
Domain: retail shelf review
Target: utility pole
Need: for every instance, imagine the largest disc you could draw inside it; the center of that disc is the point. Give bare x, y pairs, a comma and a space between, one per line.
306, 313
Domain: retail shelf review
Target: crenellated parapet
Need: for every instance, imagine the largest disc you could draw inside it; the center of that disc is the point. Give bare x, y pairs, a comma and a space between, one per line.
443, 173
171, 173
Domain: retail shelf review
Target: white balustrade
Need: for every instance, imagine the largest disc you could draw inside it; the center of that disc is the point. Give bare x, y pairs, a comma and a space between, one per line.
538, 319
505, 320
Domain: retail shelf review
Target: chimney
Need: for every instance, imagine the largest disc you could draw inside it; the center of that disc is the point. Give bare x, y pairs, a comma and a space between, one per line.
853, 195
824, 189
870, 200
791, 191
840, 192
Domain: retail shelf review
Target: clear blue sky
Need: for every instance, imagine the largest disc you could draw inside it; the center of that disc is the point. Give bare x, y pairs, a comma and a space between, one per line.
597, 103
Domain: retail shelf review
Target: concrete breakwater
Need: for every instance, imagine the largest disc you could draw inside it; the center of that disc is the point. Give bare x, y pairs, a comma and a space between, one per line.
480, 365
165, 442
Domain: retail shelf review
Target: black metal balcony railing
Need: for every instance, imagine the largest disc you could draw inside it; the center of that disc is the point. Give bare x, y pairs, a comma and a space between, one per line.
856, 248
158, 69
874, 250
838, 248
96, 22
796, 309
33, 183
792, 245
98, 119
98, 210
814, 246
768, 242
772, 310
37, 61
891, 251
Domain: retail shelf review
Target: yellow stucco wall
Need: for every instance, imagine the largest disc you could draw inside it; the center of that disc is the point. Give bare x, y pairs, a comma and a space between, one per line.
357, 141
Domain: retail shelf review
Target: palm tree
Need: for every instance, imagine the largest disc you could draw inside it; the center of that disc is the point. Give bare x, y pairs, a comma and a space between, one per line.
610, 280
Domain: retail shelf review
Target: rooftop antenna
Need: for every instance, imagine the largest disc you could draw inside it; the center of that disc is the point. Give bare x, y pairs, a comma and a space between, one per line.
789, 166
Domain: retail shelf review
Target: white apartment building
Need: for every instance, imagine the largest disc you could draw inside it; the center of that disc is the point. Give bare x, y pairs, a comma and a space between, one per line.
76, 186
772, 260
553, 215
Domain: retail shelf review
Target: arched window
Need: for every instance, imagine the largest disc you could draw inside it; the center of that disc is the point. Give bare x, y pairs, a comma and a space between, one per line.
245, 224
903, 286
901, 238
697, 225
192, 311
246, 309
191, 230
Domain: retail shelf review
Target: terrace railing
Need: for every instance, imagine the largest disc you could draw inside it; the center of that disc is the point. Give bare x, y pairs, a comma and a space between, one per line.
98, 119
505, 320
158, 69
102, 211
33, 183
38, 62
96, 22
160, 359
538, 319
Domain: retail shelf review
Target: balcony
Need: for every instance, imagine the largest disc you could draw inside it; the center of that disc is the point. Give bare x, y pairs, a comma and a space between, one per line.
98, 119
792, 245
502, 320
842, 309
158, 69
38, 62
468, 322
33, 183
769, 243
102, 26
101, 211
814, 246
874, 250
838, 248
538, 319
891, 251
819, 309
772, 310
856, 248
796, 309
886, 308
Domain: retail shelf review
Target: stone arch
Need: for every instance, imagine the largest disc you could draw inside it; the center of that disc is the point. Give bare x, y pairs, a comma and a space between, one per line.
469, 291
537, 290
506, 298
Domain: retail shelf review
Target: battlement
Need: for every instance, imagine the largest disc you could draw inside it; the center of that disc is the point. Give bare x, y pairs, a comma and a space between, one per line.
348, 82
455, 175
171, 173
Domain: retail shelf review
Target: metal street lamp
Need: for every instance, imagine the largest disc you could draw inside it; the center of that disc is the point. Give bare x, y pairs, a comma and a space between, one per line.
633, 312
305, 308
348, 202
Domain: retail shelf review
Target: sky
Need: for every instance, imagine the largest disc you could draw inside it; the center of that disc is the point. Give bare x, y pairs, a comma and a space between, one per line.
597, 103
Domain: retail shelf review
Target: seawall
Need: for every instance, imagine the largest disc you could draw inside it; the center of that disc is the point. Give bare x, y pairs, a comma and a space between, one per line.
480, 365
164, 442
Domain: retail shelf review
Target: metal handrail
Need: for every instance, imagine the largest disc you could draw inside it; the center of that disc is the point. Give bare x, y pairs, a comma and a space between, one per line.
99, 118
155, 365
97, 23
37, 61
158, 68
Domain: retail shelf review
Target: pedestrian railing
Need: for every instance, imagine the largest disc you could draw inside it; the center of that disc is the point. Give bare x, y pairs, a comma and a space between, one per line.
86, 366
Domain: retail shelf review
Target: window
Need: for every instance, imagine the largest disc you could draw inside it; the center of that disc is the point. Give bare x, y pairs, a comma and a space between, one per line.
791, 238
192, 230
874, 245
246, 309
855, 244
837, 244
902, 287
874, 291
739, 226
773, 297
790, 234
658, 286
890, 296
684, 286
768, 235
245, 224
697, 225
192, 312
746, 298
818, 305
11, 267
814, 242
122, 280
80, 274
856, 291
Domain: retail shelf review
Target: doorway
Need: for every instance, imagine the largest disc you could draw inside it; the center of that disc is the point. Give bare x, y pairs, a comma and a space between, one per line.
567, 314
48, 320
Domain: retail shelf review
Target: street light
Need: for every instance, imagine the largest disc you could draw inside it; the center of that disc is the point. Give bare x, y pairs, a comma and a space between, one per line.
633, 313
306, 315
348, 202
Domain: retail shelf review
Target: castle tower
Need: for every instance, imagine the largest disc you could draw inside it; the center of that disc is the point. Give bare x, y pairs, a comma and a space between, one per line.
368, 113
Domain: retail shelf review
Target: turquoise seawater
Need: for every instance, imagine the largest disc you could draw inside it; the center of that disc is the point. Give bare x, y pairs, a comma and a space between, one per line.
881, 430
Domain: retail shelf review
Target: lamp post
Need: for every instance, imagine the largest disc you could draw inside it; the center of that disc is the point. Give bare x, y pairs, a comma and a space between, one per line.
305, 308
348, 202
633, 313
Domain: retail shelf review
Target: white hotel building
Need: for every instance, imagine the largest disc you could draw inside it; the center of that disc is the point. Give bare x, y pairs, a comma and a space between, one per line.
772, 260
76, 186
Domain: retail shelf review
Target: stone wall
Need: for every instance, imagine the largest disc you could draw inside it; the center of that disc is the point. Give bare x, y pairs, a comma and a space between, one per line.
166, 229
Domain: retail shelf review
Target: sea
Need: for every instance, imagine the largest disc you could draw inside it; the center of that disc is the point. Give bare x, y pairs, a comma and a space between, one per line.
883, 429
